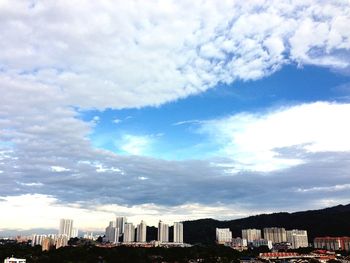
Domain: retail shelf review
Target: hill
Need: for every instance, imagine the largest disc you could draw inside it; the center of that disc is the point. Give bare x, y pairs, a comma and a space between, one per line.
333, 221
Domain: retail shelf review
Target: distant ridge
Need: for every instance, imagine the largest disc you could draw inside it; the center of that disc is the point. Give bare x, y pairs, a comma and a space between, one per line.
26, 232
332, 221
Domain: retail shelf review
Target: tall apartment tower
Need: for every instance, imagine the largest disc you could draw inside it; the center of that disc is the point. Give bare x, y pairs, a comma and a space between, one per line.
141, 232
163, 232
178, 232
223, 235
112, 232
37, 239
251, 234
275, 234
120, 224
75, 232
297, 238
66, 228
47, 244
61, 241
129, 233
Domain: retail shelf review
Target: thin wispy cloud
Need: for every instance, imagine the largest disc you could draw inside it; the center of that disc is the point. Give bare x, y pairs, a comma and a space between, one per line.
187, 122
134, 144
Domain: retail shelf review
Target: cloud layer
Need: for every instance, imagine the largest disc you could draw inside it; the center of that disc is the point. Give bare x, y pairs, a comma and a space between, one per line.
131, 54
261, 141
45, 150
59, 58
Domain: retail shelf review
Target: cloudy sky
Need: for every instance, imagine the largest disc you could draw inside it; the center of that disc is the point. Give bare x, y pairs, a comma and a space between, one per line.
171, 110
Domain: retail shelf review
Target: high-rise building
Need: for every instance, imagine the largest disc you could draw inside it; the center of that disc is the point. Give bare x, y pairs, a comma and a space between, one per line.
120, 224
251, 234
297, 238
129, 233
178, 232
141, 232
66, 227
223, 235
61, 241
163, 232
47, 244
75, 232
112, 232
38, 240
89, 235
275, 234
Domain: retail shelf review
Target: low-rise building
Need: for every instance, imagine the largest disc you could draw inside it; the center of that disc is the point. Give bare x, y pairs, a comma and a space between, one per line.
14, 260
332, 243
283, 246
278, 255
239, 244
262, 242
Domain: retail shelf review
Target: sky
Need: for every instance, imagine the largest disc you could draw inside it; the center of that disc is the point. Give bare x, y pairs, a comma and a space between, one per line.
171, 110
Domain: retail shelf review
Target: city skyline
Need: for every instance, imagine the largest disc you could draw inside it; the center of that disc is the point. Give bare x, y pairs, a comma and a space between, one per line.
172, 110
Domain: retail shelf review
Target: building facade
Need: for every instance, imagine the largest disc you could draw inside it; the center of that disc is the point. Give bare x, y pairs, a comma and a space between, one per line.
112, 233
178, 232
332, 243
66, 227
239, 242
262, 242
75, 232
47, 244
251, 234
163, 232
61, 241
223, 235
120, 224
297, 238
129, 233
275, 234
141, 232
14, 260
37, 240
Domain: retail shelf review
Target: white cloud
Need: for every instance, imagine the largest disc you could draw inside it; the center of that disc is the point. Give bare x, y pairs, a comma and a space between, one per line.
59, 169
45, 212
135, 144
324, 189
48, 211
116, 121
187, 122
35, 184
142, 178
253, 140
95, 120
108, 55
102, 169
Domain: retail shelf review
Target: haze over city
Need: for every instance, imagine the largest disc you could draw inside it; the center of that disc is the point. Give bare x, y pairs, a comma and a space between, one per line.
171, 110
